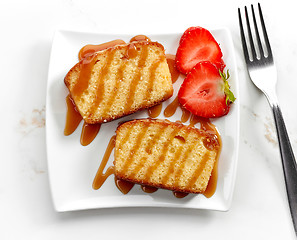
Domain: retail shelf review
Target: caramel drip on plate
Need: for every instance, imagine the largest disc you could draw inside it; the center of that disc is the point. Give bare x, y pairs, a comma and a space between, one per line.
89, 132
171, 108
123, 186
91, 49
73, 117
101, 177
86, 65
148, 189
155, 111
139, 38
180, 194
185, 115
171, 64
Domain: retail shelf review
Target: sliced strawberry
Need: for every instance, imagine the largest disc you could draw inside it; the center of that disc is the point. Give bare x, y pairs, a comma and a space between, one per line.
197, 45
205, 91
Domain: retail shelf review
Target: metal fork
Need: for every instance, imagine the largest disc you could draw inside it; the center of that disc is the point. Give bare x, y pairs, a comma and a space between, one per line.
262, 72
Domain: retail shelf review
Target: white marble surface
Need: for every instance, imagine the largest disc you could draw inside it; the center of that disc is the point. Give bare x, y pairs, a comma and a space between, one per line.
259, 209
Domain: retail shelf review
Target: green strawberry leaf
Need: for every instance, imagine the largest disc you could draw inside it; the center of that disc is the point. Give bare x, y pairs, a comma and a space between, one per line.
230, 98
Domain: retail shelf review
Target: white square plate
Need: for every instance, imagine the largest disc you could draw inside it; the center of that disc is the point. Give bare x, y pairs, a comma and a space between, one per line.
72, 167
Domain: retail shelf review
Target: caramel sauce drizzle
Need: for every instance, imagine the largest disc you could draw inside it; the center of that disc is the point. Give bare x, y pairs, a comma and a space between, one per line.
73, 117
137, 144
100, 176
174, 161
136, 78
180, 194
148, 189
89, 49
100, 87
86, 66
151, 142
171, 64
171, 108
155, 111
123, 186
89, 131
139, 38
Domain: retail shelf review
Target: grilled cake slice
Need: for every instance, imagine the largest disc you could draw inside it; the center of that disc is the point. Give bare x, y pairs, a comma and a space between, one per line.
164, 154
119, 81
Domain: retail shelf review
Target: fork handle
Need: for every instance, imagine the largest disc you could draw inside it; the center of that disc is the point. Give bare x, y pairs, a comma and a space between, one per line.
288, 162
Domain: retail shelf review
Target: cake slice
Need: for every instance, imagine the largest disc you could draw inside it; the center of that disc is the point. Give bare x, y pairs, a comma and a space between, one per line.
119, 81
164, 154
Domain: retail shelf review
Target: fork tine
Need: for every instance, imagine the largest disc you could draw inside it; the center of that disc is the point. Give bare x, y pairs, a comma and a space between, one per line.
257, 33
245, 50
250, 34
269, 52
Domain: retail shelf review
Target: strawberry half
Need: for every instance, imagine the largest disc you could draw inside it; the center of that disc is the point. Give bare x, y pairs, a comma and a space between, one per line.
205, 91
197, 45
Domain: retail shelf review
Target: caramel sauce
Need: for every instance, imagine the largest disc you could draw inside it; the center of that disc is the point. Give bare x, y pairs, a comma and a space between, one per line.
136, 78
164, 151
148, 189
101, 177
151, 142
123, 186
138, 141
180, 194
87, 60
185, 115
171, 64
171, 108
91, 49
86, 66
89, 132
100, 86
155, 111
139, 38
73, 117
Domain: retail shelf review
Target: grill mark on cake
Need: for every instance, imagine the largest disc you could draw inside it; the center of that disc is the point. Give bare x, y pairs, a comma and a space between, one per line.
135, 148
86, 65
174, 161
165, 149
199, 170
99, 92
135, 81
151, 81
125, 137
188, 151
150, 143
119, 76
